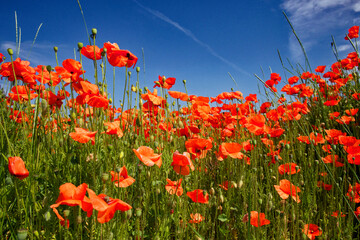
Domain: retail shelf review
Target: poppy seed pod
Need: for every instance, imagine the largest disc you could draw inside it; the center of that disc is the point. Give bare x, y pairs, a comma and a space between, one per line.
94, 31
22, 234
137, 69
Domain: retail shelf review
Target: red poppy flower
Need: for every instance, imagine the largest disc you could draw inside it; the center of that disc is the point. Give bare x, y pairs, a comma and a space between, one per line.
21, 93
106, 206
232, 149
114, 128
258, 220
353, 33
320, 69
196, 218
165, 82
311, 231
198, 147
17, 167
251, 98
71, 195
179, 95
225, 185
121, 178
327, 187
173, 187
289, 168
82, 135
118, 57
198, 196
293, 79
286, 189
336, 214
333, 159
182, 163
1, 57
147, 156
89, 52
255, 124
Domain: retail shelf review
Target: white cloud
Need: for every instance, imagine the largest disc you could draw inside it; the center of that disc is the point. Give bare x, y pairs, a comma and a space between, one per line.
343, 48
316, 19
37, 54
188, 33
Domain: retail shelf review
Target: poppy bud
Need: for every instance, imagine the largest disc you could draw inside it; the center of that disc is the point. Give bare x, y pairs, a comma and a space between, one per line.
241, 183
260, 201
56, 49
80, 45
94, 31
128, 213
47, 216
22, 234
212, 191
221, 198
78, 219
287, 146
66, 213
138, 212
48, 68
122, 154
10, 51
129, 73
158, 191
133, 88
137, 69
73, 115
17, 167
105, 177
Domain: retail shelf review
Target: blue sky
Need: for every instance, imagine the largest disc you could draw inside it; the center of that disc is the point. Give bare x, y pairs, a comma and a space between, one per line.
200, 41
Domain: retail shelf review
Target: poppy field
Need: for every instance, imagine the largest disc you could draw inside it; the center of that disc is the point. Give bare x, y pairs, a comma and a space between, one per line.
165, 164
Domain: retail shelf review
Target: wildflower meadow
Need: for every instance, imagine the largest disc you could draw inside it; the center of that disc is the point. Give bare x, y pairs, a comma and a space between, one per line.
163, 164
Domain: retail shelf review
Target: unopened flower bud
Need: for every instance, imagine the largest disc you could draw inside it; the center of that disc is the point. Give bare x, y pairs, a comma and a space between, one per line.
56, 49
10, 51
137, 69
80, 45
94, 31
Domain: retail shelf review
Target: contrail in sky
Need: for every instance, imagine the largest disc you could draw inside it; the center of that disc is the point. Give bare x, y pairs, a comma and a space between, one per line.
188, 33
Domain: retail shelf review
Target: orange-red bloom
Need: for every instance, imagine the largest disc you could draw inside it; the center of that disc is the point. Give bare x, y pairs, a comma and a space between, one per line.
232, 149
286, 189
121, 178
196, 218
198, 147
182, 163
198, 196
353, 33
165, 82
106, 206
311, 231
147, 156
288, 168
89, 52
71, 195
173, 187
258, 219
17, 167
82, 135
